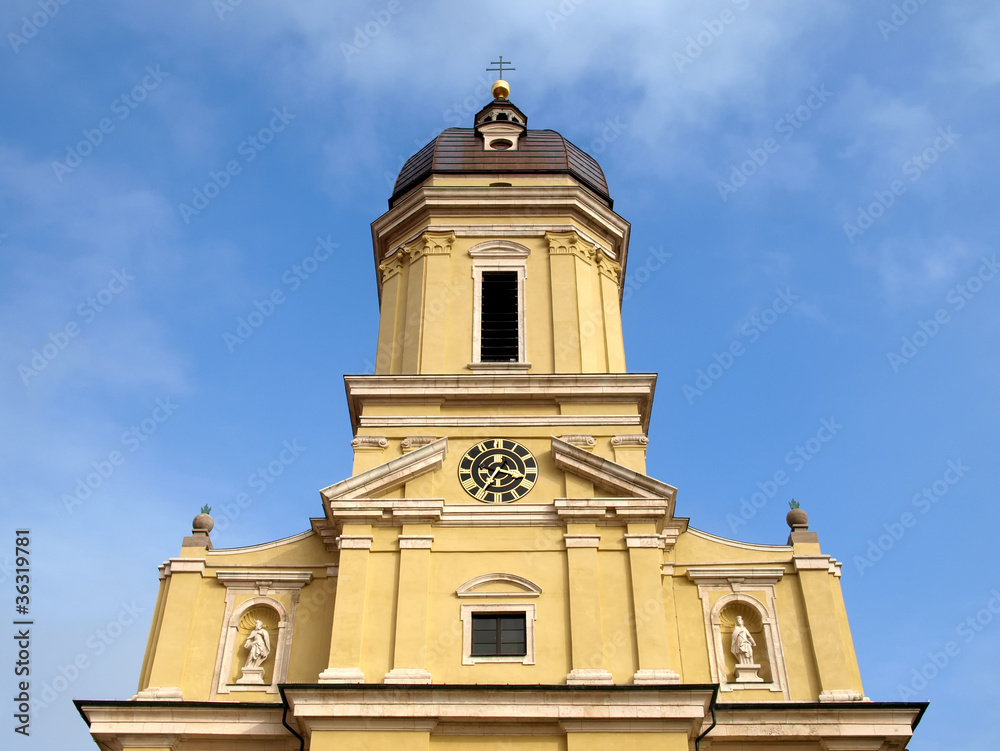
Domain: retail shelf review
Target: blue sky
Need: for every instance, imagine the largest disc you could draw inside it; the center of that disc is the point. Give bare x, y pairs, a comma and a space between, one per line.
812, 273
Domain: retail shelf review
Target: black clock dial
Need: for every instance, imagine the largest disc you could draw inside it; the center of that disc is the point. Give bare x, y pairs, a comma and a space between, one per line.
497, 471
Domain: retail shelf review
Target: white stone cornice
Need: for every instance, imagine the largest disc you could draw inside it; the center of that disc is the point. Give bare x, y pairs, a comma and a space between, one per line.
816, 563
553, 389
355, 542
750, 574
500, 515
276, 579
582, 541
611, 475
415, 542
386, 512
612, 510
644, 541
390, 475
183, 566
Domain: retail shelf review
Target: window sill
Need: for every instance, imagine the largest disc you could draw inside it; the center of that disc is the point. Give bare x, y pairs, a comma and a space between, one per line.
499, 367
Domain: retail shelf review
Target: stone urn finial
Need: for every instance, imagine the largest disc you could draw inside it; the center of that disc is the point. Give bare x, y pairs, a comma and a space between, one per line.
200, 528
203, 522
796, 518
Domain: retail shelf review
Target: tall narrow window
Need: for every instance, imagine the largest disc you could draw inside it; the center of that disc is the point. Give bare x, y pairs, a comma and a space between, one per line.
499, 333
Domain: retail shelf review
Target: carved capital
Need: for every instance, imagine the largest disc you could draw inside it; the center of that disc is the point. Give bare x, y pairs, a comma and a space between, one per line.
413, 442
370, 443
570, 243
580, 439
392, 264
431, 244
629, 439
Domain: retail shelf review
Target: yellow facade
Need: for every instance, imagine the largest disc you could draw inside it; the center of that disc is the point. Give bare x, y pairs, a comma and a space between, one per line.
628, 611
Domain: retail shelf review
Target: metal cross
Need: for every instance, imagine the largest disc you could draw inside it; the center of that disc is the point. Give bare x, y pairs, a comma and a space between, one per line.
501, 62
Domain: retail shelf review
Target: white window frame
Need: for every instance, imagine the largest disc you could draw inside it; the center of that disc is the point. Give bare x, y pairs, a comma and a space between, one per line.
526, 609
498, 255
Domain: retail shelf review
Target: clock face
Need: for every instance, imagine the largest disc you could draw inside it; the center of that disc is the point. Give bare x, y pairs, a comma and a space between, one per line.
497, 471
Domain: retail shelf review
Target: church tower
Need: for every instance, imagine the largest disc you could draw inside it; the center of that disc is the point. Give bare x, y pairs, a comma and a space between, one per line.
500, 571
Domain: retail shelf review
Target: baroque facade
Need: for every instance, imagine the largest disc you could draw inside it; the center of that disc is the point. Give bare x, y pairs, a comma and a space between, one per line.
499, 571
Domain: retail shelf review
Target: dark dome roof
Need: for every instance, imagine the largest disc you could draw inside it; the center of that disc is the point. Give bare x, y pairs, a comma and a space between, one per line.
460, 151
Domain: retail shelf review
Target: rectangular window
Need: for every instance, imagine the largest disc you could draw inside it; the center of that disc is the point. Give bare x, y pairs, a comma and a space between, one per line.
499, 635
499, 318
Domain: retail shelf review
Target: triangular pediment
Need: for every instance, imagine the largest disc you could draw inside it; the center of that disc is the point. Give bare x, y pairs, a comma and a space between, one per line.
610, 475
389, 476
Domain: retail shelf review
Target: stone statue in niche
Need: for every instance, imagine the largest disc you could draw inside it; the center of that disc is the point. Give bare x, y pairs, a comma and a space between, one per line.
742, 643
258, 644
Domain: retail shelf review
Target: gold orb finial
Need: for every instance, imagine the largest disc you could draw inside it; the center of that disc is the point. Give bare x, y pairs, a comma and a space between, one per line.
501, 89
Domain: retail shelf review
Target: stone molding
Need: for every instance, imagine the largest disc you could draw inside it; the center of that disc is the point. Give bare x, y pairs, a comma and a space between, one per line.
644, 541
536, 389
159, 693
355, 542
582, 541
611, 475
406, 676
524, 587
856, 725
387, 512
415, 542
611, 510
817, 563
182, 566
499, 515
735, 575
589, 677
